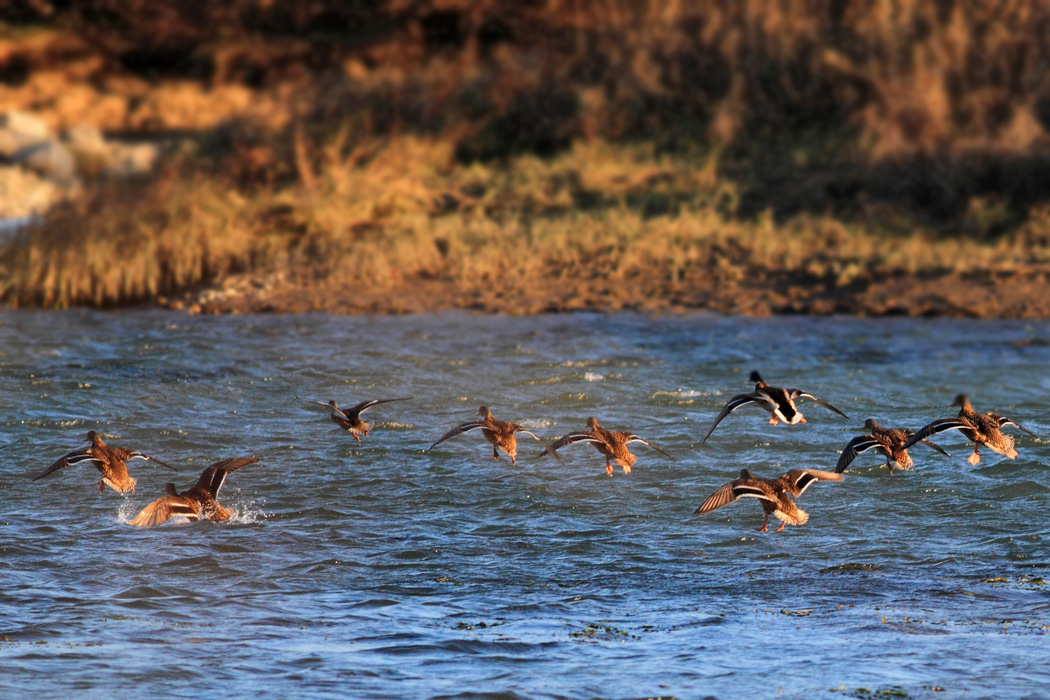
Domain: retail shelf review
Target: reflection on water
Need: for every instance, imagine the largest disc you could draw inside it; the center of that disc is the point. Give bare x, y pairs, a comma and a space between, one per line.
376, 570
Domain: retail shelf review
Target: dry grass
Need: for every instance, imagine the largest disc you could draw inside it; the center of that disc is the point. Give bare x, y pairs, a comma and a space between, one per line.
382, 213
490, 144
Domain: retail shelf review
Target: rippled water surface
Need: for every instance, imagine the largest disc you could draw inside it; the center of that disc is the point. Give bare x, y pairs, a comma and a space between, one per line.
377, 570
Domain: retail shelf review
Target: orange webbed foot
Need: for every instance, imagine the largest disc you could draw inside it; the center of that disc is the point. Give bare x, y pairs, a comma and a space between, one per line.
763, 529
781, 527
608, 470
974, 459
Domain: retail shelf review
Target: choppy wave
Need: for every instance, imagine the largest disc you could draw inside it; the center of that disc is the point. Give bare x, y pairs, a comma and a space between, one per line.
374, 569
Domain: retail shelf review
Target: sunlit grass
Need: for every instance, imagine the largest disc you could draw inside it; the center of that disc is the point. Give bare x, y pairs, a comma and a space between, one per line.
383, 213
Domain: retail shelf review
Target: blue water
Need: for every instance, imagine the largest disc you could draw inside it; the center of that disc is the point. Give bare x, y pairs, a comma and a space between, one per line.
376, 570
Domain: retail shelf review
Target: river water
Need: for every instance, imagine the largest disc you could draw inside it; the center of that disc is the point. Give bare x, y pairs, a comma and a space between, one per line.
378, 570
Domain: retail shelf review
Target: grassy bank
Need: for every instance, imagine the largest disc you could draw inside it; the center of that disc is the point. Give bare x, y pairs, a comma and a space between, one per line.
602, 224
563, 155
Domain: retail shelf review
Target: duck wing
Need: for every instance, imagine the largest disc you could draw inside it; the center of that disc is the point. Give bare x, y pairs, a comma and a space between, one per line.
938, 426
801, 479
330, 407
75, 457
631, 437
578, 436
853, 448
214, 476
165, 508
358, 409
735, 403
547, 449
458, 430
728, 493
133, 454
799, 394
1003, 421
935, 447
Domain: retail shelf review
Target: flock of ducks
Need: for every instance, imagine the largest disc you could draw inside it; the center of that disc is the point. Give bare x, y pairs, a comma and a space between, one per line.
776, 496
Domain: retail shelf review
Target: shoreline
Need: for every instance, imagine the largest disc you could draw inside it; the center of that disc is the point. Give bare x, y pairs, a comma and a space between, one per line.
1022, 294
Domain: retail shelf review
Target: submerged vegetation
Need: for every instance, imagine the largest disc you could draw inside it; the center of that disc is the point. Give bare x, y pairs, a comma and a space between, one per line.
751, 157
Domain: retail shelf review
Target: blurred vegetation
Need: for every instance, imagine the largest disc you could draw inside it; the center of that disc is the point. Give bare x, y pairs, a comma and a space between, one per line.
475, 139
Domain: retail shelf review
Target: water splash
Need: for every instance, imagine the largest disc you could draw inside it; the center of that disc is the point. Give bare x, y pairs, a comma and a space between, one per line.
248, 512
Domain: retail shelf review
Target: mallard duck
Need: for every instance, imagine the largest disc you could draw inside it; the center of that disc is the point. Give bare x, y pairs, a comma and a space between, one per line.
110, 462
889, 440
982, 428
779, 402
773, 494
197, 502
499, 433
349, 419
611, 443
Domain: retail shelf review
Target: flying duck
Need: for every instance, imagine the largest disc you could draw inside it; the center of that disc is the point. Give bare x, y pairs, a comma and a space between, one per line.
611, 443
349, 419
772, 494
499, 433
982, 428
889, 441
779, 402
195, 503
110, 462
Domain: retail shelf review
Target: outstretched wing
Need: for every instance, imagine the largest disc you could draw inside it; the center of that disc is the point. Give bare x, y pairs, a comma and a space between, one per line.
853, 448
801, 479
722, 497
329, 406
458, 430
138, 455
735, 403
1004, 421
165, 508
227, 466
547, 448
360, 408
634, 438
578, 436
937, 426
77, 457
727, 493
214, 476
799, 394
936, 447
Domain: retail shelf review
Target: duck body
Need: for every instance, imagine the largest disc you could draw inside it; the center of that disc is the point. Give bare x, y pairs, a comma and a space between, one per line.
500, 434
775, 495
889, 441
349, 419
111, 462
777, 401
980, 428
612, 444
199, 502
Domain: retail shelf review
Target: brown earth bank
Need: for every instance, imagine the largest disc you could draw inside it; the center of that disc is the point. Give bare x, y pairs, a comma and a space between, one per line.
750, 157
1018, 294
